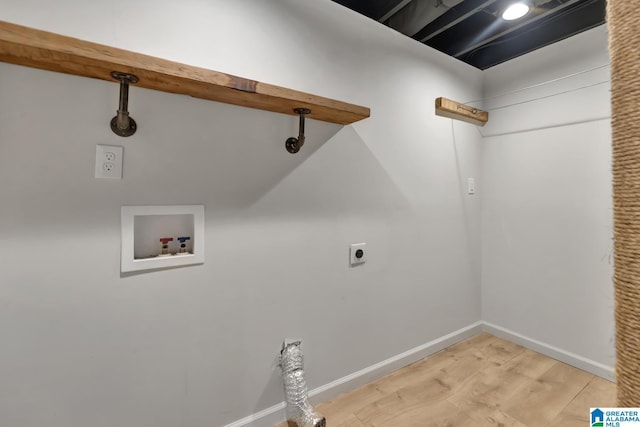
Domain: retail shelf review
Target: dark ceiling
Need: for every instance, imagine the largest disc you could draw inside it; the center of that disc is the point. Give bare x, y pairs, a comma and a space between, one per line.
473, 30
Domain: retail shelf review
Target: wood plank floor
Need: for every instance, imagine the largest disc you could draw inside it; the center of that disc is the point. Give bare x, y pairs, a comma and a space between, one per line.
483, 381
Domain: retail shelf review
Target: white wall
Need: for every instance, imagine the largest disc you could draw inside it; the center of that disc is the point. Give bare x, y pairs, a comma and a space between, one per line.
83, 345
547, 210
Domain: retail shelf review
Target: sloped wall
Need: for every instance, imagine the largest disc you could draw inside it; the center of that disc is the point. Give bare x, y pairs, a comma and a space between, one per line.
83, 345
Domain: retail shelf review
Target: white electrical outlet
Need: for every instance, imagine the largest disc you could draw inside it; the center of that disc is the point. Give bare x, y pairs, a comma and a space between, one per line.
109, 161
358, 253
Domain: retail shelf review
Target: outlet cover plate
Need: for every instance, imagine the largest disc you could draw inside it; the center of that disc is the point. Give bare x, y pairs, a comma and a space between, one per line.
109, 161
358, 253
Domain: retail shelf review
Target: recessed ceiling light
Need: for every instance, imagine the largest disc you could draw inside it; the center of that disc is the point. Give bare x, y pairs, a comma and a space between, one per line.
516, 11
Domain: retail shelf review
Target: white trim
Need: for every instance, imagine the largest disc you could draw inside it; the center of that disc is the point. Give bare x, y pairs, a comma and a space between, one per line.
591, 366
379, 370
275, 414
271, 416
550, 126
266, 418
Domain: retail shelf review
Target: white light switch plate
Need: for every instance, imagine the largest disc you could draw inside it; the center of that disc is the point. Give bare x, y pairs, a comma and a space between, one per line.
471, 186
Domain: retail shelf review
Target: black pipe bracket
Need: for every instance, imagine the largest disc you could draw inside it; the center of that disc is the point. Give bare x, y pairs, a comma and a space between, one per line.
122, 124
294, 144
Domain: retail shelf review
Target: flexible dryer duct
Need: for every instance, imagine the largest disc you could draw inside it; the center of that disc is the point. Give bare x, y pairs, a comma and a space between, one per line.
299, 410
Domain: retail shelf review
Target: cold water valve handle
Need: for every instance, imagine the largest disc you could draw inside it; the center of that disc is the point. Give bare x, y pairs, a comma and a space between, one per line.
183, 245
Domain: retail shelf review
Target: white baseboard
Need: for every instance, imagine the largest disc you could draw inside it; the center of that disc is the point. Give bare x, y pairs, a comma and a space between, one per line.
273, 415
379, 370
593, 367
266, 418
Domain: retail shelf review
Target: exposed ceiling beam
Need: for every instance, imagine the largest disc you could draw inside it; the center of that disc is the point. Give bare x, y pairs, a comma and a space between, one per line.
394, 10
574, 20
418, 14
514, 28
443, 23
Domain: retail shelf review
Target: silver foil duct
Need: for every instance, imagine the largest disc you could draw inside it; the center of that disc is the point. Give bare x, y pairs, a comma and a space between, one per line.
299, 410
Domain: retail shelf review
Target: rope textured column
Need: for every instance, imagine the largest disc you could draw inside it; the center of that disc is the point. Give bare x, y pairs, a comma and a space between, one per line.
624, 47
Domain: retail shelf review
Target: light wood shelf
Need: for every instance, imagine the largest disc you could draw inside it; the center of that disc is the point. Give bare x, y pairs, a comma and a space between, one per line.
456, 110
48, 51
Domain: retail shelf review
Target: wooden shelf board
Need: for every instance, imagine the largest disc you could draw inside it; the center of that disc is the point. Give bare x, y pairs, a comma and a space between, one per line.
48, 51
456, 110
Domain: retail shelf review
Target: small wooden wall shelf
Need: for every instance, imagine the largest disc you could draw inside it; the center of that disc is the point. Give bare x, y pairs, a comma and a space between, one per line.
48, 51
455, 110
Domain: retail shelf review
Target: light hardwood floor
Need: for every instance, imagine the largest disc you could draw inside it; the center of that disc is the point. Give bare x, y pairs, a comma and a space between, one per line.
481, 382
